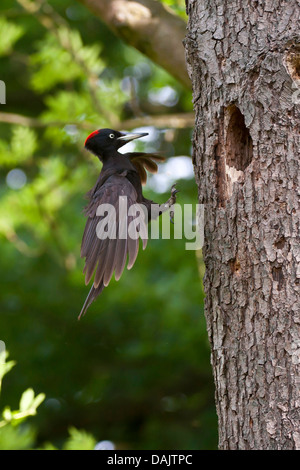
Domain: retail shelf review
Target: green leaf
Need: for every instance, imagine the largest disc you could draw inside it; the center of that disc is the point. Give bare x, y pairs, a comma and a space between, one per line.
5, 367
47, 446
29, 403
38, 400
27, 399
7, 414
9, 34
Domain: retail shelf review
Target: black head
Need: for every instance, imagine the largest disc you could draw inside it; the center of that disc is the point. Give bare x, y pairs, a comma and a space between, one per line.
105, 142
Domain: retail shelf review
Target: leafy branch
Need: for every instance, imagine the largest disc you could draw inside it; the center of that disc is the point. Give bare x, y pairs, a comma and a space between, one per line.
70, 41
28, 405
29, 402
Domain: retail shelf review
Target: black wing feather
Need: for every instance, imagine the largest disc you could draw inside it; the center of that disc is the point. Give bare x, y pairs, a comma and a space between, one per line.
104, 256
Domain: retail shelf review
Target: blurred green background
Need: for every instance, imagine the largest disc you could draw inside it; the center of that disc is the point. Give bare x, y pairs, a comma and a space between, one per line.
136, 369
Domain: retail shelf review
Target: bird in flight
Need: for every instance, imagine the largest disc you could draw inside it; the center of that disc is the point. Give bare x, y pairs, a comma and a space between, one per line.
112, 232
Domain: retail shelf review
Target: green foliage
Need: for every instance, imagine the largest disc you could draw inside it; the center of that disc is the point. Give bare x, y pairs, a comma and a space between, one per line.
79, 440
12, 434
28, 402
5, 366
27, 407
178, 6
22, 146
136, 369
15, 436
61, 53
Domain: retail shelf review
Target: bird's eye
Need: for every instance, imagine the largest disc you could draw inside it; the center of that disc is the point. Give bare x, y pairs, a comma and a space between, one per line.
112, 136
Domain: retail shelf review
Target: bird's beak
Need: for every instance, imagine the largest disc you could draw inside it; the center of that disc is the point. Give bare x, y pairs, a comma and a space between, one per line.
128, 136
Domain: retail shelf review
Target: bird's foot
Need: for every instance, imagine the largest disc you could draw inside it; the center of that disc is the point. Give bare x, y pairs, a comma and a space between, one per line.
168, 205
174, 191
172, 200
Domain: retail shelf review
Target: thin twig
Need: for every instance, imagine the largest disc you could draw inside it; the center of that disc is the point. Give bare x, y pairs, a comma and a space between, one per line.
176, 121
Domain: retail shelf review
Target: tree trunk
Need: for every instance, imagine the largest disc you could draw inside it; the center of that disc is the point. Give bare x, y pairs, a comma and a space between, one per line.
244, 64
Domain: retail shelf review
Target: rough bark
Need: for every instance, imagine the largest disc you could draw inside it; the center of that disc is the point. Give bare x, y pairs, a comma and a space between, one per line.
150, 27
244, 62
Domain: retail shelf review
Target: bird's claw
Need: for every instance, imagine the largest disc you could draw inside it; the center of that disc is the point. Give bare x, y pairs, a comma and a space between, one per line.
174, 191
172, 201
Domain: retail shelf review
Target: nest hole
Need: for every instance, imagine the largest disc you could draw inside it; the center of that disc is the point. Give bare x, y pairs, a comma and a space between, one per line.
238, 147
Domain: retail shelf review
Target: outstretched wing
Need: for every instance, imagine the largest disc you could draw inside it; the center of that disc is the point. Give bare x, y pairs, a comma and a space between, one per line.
111, 235
145, 161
